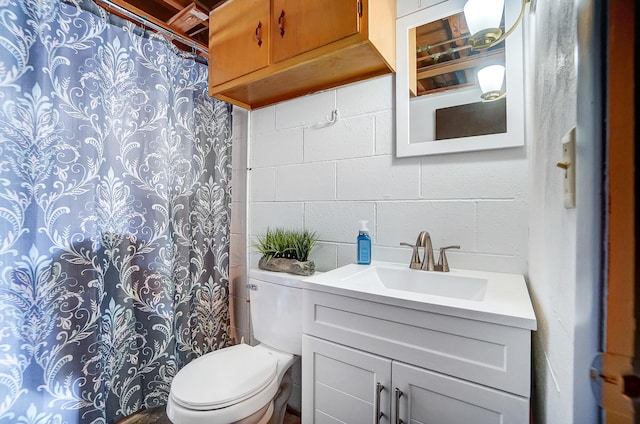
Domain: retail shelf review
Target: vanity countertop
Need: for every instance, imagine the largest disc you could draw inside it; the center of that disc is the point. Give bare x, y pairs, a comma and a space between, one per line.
504, 299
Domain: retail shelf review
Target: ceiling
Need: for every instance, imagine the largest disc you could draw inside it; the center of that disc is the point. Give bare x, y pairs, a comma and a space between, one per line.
188, 18
443, 59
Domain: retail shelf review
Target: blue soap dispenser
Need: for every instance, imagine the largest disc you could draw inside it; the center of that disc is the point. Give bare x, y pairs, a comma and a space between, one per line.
364, 244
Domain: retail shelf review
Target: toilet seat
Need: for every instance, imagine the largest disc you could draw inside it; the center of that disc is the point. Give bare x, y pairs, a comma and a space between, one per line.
223, 378
254, 409
216, 392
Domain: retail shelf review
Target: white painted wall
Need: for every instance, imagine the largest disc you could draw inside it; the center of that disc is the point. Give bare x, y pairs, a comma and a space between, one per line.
552, 107
306, 174
239, 295
504, 207
564, 243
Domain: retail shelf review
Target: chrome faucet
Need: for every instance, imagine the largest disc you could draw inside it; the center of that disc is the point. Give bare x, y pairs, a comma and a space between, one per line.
443, 265
424, 241
427, 263
415, 257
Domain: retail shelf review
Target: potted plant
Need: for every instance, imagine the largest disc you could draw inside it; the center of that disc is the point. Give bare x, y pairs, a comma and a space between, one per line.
286, 251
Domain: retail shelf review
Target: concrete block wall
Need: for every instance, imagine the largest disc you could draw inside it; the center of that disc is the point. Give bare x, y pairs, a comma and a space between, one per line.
238, 293
306, 173
309, 174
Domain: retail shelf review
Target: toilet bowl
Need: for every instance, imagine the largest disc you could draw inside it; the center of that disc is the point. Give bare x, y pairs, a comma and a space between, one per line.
233, 385
238, 384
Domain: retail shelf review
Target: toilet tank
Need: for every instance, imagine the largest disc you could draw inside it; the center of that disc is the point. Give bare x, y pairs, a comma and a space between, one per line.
276, 309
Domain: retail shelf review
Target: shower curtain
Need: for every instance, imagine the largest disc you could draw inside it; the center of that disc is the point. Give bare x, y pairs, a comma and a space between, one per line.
115, 200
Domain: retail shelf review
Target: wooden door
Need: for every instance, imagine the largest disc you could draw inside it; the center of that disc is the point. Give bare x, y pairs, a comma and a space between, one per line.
621, 382
340, 383
432, 398
299, 26
239, 32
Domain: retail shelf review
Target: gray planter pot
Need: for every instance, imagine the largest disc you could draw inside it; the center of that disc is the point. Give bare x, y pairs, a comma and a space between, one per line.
292, 266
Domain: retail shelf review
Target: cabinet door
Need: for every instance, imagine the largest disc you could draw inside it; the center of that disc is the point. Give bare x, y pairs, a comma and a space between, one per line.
432, 398
299, 26
340, 385
238, 39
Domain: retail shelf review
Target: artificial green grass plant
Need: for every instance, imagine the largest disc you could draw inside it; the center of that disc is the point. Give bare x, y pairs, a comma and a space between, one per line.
281, 243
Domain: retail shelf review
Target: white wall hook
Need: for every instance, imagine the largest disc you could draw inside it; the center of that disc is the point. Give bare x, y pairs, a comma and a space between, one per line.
334, 117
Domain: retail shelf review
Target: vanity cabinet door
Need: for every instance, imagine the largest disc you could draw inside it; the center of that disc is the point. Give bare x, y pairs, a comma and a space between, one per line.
239, 34
340, 384
433, 398
300, 26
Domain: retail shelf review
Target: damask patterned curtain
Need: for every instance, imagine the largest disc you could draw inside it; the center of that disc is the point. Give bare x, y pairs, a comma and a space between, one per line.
114, 216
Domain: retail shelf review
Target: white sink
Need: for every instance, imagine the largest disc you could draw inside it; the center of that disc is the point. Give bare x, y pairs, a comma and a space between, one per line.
444, 284
484, 296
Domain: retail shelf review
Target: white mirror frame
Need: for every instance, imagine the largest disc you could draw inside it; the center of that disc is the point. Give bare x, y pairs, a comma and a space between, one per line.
427, 145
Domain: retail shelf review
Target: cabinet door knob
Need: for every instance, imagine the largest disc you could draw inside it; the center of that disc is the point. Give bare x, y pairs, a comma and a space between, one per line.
398, 396
281, 23
259, 33
379, 389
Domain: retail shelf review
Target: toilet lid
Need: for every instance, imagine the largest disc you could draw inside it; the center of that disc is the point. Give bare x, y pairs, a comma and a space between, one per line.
224, 377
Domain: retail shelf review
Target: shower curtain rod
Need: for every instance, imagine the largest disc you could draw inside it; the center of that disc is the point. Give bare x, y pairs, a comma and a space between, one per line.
156, 27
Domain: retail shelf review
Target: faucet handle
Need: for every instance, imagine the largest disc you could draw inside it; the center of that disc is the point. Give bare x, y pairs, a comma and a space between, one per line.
415, 257
443, 265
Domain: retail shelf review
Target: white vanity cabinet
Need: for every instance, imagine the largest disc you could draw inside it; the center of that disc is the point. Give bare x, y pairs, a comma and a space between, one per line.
450, 370
340, 384
432, 398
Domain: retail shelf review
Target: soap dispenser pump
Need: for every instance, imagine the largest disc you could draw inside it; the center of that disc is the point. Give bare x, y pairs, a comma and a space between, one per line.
364, 244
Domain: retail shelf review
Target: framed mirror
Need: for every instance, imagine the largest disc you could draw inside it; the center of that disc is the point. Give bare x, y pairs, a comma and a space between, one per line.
439, 108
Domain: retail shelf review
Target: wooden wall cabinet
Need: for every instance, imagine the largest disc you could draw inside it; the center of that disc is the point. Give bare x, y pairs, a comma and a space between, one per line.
267, 51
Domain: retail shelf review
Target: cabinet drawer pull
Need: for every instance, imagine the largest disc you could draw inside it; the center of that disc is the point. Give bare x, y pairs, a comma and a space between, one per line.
379, 389
398, 396
281, 23
259, 33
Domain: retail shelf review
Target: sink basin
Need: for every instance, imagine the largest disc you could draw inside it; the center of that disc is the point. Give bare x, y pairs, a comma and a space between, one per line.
493, 297
445, 284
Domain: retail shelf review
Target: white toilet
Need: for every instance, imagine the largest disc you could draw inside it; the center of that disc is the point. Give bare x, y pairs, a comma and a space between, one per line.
238, 384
